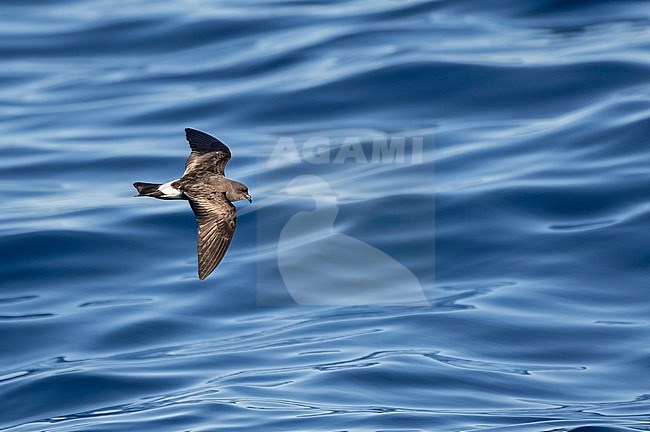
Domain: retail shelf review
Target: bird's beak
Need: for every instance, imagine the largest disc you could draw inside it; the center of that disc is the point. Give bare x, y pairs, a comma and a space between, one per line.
249, 198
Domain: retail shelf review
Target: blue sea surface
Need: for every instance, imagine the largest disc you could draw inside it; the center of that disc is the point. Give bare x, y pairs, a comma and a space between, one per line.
520, 232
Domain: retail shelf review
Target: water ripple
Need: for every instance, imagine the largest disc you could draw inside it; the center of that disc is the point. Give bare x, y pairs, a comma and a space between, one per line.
525, 220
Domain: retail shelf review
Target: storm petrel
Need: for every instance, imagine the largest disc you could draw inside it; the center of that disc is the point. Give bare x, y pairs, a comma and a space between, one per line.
210, 194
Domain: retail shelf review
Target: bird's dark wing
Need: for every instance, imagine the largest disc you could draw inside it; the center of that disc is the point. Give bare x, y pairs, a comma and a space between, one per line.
203, 144
217, 219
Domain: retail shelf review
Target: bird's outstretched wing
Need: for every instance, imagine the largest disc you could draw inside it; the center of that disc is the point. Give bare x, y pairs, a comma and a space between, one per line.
217, 219
208, 153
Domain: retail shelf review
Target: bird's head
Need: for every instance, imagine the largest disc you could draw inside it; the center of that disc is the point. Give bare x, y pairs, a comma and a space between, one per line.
238, 191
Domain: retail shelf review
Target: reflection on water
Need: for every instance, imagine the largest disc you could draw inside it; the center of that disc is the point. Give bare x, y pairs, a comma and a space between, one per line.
522, 310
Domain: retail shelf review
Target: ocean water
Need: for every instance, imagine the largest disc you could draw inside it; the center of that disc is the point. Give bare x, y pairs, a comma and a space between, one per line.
494, 279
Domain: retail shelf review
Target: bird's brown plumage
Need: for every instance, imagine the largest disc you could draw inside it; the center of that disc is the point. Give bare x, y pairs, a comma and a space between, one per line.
210, 194
208, 153
217, 221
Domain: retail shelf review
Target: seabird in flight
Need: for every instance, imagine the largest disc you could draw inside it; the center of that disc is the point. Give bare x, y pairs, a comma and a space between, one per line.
210, 194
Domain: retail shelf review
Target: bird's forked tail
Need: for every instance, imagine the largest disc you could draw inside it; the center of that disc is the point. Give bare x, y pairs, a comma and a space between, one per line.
148, 189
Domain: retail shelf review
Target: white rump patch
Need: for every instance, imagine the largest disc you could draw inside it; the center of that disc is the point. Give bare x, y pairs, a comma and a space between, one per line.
169, 191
